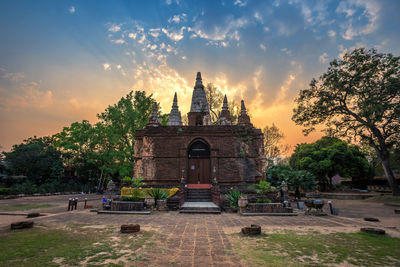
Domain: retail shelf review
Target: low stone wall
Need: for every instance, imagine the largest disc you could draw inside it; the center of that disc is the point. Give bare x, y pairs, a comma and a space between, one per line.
127, 206
266, 208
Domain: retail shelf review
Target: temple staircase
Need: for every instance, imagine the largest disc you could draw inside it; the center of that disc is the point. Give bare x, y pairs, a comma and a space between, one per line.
199, 201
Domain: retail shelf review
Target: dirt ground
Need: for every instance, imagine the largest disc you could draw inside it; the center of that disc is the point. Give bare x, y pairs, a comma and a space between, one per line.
189, 236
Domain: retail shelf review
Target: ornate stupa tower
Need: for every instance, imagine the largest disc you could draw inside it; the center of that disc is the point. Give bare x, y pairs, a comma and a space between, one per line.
174, 118
154, 120
199, 111
225, 115
243, 119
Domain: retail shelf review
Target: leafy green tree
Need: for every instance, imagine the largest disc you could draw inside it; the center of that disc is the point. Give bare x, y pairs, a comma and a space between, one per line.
106, 149
120, 123
330, 156
234, 110
273, 148
35, 158
357, 97
295, 179
77, 144
214, 98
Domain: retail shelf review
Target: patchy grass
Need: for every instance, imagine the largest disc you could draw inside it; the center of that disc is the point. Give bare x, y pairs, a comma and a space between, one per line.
384, 199
21, 207
72, 245
304, 249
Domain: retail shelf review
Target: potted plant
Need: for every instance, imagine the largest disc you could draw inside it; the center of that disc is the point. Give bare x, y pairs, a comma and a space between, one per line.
149, 202
233, 197
127, 181
262, 189
160, 196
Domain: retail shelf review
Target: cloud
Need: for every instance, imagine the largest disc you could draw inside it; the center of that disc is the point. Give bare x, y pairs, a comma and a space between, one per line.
240, 3
25, 95
267, 29
263, 47
323, 58
132, 35
174, 35
118, 41
344, 50
258, 17
365, 23
14, 77
286, 51
219, 35
162, 81
72, 10
169, 2
177, 18
106, 66
282, 93
142, 39
331, 33
154, 32
114, 28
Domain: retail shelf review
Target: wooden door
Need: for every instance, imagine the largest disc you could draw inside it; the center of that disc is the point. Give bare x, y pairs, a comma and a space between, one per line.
199, 171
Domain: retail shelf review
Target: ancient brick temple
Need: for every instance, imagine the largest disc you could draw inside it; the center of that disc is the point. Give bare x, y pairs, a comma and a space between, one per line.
202, 152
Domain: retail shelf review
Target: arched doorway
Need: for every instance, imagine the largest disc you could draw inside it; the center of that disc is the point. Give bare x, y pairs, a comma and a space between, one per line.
199, 163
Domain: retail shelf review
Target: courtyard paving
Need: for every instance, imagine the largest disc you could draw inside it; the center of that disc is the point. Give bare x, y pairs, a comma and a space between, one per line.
201, 239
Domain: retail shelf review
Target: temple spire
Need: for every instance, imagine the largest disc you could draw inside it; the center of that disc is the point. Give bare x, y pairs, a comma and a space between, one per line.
199, 99
174, 118
175, 101
225, 105
199, 81
242, 108
243, 117
154, 120
225, 115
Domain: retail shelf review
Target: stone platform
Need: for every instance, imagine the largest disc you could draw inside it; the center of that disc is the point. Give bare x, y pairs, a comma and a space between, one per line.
200, 207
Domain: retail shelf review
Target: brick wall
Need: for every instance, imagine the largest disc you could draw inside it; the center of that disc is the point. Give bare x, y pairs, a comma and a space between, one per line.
161, 153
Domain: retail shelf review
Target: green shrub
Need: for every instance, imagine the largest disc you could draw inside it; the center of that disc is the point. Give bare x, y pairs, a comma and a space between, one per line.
158, 193
264, 200
127, 180
5, 191
263, 188
138, 182
233, 197
132, 199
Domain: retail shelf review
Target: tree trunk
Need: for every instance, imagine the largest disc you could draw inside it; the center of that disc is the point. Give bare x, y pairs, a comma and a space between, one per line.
390, 177
384, 155
101, 177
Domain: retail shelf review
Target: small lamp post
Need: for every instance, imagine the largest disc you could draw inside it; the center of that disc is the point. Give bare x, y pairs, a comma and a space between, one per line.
284, 188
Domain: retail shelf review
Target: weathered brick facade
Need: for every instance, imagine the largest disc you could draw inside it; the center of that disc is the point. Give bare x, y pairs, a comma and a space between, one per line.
161, 153
226, 153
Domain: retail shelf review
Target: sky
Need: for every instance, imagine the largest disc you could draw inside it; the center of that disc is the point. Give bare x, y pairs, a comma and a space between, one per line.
65, 61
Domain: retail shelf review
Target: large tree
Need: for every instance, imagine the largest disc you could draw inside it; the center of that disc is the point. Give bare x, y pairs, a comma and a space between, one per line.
214, 98
295, 179
273, 148
330, 156
37, 159
107, 147
359, 97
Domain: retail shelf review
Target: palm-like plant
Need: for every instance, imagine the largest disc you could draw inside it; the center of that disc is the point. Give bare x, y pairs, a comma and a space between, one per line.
158, 194
233, 197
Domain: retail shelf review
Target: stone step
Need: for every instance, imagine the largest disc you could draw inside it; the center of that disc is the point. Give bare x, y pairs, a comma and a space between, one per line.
199, 207
198, 200
200, 211
199, 195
